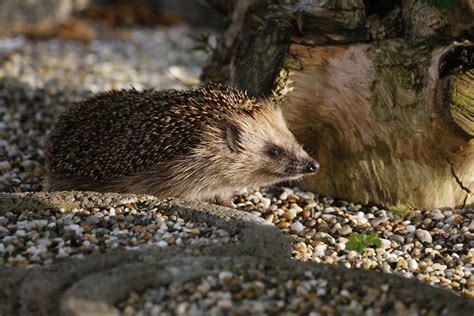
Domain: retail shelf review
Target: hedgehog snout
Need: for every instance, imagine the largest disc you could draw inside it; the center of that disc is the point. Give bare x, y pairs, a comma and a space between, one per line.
311, 167
303, 167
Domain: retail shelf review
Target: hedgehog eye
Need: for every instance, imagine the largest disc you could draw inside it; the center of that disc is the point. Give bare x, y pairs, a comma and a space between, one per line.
274, 152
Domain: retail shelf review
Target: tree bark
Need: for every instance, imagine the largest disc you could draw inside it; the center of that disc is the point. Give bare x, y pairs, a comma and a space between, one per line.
381, 95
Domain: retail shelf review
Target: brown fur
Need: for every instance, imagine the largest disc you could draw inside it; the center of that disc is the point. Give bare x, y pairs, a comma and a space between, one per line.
200, 145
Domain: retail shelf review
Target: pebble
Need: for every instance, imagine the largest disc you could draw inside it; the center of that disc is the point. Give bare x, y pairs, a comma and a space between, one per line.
412, 265
266, 203
283, 196
378, 220
345, 230
424, 236
297, 227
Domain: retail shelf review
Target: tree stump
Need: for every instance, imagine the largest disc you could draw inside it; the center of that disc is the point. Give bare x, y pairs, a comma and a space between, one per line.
381, 93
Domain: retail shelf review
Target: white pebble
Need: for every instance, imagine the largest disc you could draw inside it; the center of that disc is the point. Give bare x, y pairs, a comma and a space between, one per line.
438, 266
307, 195
320, 250
424, 235
266, 202
438, 216
162, 243
225, 275
297, 227
341, 246
385, 243
283, 196
410, 228
412, 265
297, 208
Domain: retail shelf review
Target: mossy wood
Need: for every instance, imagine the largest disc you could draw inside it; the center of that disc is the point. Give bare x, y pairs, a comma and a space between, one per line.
381, 94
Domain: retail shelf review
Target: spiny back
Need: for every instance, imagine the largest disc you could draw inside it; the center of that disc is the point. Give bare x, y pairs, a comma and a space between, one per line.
119, 133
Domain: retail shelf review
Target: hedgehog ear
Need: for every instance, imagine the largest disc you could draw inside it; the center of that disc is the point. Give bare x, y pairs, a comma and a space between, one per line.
232, 137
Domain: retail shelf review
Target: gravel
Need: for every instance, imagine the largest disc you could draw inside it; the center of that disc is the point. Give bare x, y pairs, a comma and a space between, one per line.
253, 293
436, 247
33, 239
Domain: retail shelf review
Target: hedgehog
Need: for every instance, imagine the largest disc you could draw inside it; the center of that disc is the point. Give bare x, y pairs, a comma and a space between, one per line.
203, 144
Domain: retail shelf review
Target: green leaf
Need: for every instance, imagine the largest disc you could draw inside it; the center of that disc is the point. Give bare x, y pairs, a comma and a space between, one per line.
360, 242
202, 47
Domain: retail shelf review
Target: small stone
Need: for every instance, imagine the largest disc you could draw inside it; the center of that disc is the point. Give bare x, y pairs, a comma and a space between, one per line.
5, 165
273, 208
399, 239
3, 231
438, 266
225, 275
410, 228
455, 219
290, 214
340, 246
438, 216
345, 230
269, 218
92, 220
296, 208
378, 220
412, 265
385, 243
320, 250
162, 244
266, 202
424, 236
471, 226
301, 247
283, 196
297, 227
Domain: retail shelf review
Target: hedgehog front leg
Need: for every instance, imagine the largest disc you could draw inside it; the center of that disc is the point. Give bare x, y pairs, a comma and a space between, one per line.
225, 200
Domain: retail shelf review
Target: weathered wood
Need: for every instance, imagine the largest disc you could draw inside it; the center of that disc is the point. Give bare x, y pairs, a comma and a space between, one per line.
461, 100
376, 91
369, 114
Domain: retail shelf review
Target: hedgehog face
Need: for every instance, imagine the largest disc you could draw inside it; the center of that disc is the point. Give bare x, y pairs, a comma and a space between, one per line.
264, 151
